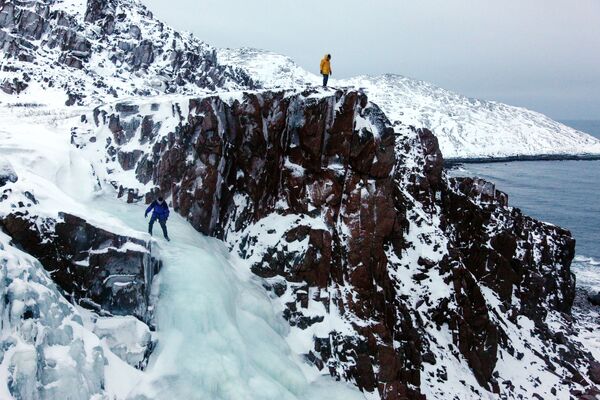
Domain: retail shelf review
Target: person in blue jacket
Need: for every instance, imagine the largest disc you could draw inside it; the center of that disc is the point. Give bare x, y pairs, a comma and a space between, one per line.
160, 212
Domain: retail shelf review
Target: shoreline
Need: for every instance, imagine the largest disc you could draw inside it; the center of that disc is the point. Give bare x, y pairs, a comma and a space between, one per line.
451, 162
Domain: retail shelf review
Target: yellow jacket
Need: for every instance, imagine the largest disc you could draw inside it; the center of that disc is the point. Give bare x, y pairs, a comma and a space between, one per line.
325, 66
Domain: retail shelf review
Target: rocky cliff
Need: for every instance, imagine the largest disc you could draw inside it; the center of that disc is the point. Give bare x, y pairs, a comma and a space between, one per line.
392, 276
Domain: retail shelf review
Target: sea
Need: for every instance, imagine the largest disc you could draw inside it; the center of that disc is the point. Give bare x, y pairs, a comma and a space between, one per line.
565, 193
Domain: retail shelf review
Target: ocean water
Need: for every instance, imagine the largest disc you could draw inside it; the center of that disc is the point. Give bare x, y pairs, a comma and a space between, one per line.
564, 193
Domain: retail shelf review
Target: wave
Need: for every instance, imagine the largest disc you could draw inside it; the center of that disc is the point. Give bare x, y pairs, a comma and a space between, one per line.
587, 272
586, 260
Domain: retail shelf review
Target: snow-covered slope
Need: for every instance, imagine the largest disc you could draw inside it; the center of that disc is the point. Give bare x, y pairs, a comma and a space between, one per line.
472, 128
466, 128
85, 52
269, 69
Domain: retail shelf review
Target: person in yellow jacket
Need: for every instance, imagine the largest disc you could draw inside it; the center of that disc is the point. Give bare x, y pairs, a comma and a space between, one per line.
326, 68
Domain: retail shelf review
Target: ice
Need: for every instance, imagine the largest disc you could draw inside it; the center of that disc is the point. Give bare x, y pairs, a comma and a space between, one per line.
126, 336
46, 352
219, 335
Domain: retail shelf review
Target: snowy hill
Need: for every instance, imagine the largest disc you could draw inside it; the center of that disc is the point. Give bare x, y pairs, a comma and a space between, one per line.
82, 52
466, 128
270, 70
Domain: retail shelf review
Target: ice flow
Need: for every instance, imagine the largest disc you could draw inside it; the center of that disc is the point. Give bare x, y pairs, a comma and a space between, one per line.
219, 336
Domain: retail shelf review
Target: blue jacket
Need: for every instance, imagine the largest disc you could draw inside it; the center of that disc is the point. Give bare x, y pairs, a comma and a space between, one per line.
160, 211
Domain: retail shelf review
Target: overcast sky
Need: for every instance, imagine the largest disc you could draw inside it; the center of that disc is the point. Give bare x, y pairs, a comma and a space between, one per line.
541, 54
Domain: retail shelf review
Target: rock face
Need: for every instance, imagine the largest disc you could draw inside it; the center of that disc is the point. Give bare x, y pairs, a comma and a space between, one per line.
95, 49
406, 282
594, 299
109, 273
7, 173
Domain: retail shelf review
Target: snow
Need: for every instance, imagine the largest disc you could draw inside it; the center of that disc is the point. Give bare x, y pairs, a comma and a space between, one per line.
269, 231
466, 128
269, 69
126, 336
7, 172
524, 341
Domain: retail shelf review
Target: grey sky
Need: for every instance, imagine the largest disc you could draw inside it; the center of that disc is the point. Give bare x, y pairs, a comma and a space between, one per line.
541, 54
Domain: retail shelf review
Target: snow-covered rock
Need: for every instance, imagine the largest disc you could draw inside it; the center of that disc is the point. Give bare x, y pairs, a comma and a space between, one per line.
110, 273
7, 173
217, 335
270, 70
466, 128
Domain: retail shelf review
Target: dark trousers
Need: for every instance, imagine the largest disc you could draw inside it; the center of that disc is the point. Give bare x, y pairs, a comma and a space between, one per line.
163, 225
325, 79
